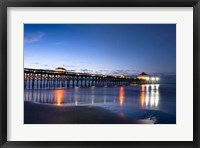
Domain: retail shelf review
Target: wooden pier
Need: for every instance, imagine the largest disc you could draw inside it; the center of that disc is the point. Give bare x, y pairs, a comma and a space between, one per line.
41, 79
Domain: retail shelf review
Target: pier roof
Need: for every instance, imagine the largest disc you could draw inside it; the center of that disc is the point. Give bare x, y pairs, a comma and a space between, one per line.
60, 68
143, 74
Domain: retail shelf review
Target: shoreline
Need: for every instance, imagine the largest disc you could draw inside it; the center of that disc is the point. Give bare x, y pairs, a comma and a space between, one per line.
52, 114
35, 113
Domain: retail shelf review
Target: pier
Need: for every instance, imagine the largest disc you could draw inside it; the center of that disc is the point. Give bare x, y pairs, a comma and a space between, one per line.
41, 79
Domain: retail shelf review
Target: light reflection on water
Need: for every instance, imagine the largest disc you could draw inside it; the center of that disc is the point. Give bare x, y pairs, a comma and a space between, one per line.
149, 96
124, 97
121, 96
59, 96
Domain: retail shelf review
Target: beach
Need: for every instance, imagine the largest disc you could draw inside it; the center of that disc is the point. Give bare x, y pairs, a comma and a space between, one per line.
52, 114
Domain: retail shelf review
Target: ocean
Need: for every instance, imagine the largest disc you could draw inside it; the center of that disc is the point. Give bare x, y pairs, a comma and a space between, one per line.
156, 103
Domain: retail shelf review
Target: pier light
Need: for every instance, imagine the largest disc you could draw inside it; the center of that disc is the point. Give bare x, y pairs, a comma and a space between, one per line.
123, 76
152, 78
147, 78
157, 78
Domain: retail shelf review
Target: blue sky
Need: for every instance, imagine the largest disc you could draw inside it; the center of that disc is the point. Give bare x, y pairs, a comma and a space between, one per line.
102, 48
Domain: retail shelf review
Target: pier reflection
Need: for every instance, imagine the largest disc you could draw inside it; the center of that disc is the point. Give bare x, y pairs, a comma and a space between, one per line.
149, 96
75, 96
59, 97
142, 98
121, 96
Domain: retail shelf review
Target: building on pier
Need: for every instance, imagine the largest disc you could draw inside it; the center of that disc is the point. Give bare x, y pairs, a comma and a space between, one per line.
122, 76
143, 76
61, 69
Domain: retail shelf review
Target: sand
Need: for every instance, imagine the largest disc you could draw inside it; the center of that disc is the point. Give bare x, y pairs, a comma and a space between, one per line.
52, 114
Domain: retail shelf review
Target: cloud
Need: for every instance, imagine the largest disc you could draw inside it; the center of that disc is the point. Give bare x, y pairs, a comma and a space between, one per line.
36, 63
33, 37
131, 73
68, 66
163, 74
125, 72
42, 65
71, 70
85, 70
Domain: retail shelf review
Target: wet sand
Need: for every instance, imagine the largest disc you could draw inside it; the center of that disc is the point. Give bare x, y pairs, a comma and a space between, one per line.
52, 114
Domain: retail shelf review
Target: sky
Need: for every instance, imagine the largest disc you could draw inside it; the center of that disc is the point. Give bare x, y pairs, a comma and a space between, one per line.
113, 49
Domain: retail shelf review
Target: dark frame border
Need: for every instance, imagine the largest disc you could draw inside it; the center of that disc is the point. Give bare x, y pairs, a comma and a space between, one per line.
99, 3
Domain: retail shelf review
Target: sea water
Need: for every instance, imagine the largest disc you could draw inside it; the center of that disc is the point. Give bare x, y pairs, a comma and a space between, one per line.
154, 102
